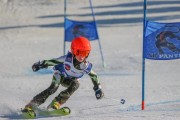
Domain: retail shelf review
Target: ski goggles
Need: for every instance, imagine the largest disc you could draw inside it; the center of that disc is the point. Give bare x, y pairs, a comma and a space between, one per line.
82, 53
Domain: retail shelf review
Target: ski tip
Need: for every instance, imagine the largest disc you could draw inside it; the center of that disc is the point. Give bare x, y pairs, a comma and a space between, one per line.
66, 110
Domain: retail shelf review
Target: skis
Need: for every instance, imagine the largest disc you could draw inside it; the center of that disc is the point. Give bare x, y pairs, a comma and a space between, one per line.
59, 112
47, 113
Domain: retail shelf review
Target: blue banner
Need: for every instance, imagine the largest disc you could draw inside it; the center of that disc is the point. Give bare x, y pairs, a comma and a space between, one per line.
162, 41
75, 28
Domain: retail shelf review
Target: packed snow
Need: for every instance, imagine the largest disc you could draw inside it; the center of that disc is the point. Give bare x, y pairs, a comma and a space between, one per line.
33, 30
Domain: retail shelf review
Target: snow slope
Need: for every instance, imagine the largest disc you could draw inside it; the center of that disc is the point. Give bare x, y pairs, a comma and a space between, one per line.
33, 30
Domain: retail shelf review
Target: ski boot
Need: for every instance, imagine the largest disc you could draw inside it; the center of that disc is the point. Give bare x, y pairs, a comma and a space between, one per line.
28, 113
55, 110
54, 105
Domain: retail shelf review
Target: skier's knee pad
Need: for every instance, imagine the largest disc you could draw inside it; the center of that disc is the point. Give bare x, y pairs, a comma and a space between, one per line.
65, 94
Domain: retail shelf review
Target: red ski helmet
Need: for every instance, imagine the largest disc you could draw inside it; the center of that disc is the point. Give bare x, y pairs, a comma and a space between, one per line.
80, 46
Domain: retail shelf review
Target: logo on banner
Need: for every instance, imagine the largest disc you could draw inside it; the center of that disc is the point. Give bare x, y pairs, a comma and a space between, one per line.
78, 30
162, 41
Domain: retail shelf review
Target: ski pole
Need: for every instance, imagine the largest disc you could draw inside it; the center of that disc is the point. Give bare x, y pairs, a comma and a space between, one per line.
122, 101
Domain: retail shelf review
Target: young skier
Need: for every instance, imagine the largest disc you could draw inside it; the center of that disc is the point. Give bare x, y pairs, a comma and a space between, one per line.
68, 69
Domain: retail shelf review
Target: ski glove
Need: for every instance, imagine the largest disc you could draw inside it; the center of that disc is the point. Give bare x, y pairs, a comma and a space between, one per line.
98, 92
39, 65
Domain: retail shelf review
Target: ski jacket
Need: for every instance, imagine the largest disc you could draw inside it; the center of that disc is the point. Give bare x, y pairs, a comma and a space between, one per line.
67, 66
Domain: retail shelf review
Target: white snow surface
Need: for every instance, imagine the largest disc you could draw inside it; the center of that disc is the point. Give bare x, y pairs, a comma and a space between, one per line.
32, 30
